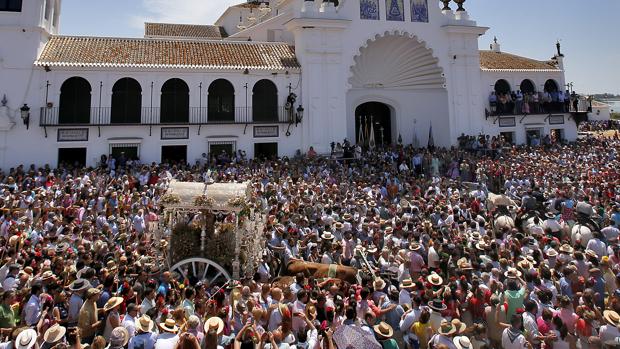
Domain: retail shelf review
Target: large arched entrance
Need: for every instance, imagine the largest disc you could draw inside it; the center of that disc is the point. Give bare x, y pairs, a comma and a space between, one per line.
373, 116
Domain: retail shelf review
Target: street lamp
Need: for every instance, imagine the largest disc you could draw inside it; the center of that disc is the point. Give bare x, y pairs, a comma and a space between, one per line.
300, 115
25, 113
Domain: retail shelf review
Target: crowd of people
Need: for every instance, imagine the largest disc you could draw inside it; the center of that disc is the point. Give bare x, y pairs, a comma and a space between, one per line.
82, 266
519, 103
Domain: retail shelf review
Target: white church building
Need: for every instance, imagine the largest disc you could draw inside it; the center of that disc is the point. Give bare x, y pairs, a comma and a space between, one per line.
269, 78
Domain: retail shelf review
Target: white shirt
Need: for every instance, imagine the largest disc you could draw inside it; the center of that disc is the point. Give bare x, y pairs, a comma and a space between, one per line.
518, 343
130, 325
166, 341
32, 311
608, 333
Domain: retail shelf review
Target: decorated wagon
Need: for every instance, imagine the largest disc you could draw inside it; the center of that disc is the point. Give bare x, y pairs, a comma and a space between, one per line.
214, 231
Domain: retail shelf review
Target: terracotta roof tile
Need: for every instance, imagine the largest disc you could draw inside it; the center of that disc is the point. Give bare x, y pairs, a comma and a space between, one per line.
491, 60
159, 53
193, 31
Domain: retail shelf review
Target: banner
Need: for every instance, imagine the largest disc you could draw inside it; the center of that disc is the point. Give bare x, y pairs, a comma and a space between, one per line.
395, 10
419, 11
369, 9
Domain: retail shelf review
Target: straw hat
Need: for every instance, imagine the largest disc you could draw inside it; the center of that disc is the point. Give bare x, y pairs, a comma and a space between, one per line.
169, 326
566, 248
512, 273
378, 284
414, 246
435, 279
407, 283
446, 328
144, 323
482, 245
612, 317
458, 325
462, 342
214, 324
464, 264
338, 225
327, 236
551, 252
438, 305
112, 303
26, 339
383, 330
54, 333
47, 275
119, 337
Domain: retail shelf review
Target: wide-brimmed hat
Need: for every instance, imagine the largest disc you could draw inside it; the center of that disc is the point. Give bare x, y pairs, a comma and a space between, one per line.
552, 252
512, 273
407, 283
464, 264
112, 303
92, 291
414, 246
566, 248
383, 329
550, 215
119, 337
54, 333
524, 264
378, 284
144, 323
214, 324
612, 317
482, 245
327, 236
371, 249
458, 325
79, 285
435, 279
47, 275
170, 326
446, 328
437, 304
462, 342
26, 339
476, 236
338, 225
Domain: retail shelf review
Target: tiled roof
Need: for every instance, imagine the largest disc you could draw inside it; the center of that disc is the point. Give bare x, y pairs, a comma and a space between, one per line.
184, 31
491, 60
159, 53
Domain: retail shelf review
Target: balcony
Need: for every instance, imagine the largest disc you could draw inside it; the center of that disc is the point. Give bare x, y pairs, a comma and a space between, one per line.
580, 105
147, 116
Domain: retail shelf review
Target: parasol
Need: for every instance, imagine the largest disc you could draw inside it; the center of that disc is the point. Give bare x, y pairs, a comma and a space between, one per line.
349, 337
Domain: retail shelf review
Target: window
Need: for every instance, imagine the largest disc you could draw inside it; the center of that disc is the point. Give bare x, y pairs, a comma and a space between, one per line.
48, 8
129, 150
502, 87
216, 148
11, 5
174, 102
74, 105
126, 102
265, 102
221, 101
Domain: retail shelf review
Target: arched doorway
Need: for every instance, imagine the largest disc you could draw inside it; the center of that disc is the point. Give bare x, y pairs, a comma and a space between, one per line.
174, 102
126, 102
74, 106
375, 116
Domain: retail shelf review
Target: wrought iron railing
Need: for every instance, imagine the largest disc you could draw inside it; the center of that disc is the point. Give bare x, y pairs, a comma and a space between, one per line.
107, 116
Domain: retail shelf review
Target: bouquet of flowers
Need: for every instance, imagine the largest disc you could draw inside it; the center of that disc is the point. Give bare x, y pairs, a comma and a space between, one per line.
204, 201
237, 202
170, 199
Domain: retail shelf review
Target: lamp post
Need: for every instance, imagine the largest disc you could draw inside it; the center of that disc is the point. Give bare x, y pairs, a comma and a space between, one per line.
300, 115
25, 113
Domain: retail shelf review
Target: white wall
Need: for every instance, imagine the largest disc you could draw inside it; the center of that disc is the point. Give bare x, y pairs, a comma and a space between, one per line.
600, 113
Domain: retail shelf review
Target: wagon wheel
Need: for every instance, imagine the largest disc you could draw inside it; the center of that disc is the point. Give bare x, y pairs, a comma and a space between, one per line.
201, 269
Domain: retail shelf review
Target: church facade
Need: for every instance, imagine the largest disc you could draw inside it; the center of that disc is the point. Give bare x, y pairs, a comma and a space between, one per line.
267, 78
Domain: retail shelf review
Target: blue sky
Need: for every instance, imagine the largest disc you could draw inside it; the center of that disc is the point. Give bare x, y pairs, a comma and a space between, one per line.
587, 29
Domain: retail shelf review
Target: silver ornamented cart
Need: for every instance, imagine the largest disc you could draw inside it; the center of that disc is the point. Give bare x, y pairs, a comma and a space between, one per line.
214, 231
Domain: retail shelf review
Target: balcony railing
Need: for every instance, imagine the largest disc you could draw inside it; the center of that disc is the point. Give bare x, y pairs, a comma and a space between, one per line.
105, 116
580, 105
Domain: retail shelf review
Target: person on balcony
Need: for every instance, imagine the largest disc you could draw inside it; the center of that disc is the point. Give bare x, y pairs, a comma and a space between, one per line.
519, 101
493, 102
